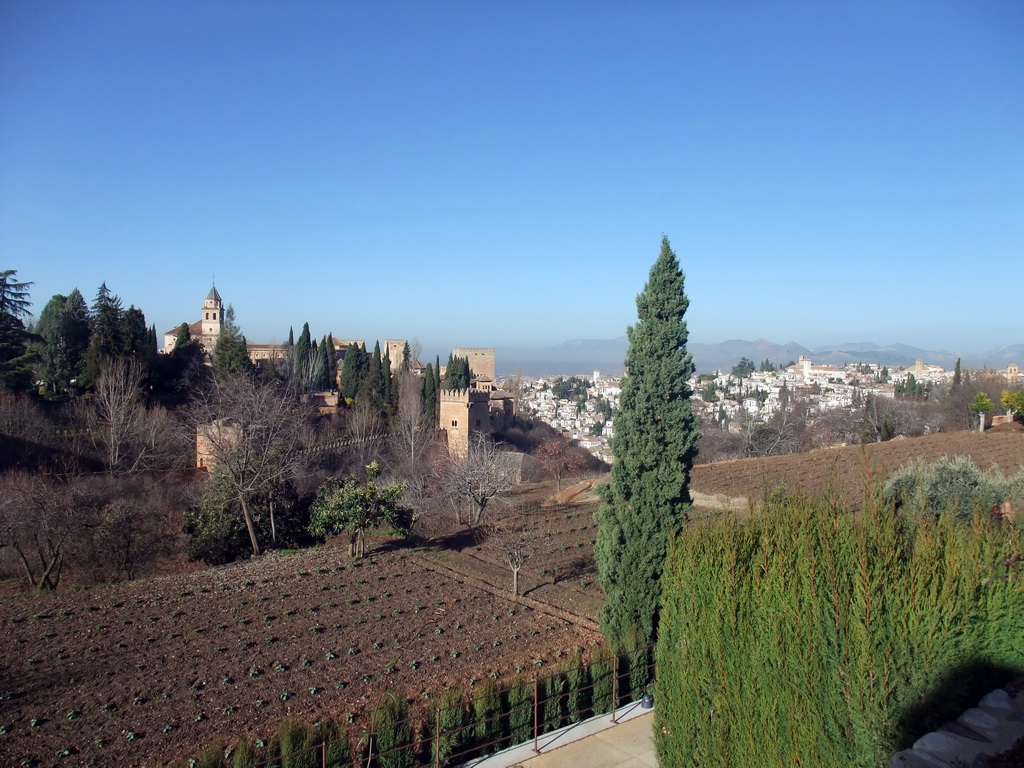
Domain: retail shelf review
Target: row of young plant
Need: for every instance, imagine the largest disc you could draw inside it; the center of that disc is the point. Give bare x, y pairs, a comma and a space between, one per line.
455, 727
814, 636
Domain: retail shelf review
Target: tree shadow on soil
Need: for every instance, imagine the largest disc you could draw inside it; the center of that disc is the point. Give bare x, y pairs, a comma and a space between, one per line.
457, 541
958, 690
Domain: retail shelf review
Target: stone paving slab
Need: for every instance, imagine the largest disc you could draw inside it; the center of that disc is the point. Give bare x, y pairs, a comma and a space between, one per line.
595, 743
995, 725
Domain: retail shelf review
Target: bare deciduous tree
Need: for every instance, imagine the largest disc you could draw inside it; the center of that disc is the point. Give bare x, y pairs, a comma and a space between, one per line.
514, 541
364, 428
123, 430
36, 521
413, 439
250, 429
483, 474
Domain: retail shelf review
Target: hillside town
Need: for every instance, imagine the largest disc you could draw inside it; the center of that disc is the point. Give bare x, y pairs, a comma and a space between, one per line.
581, 407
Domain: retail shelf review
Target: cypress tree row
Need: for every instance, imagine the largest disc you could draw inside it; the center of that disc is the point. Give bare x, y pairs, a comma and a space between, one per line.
655, 443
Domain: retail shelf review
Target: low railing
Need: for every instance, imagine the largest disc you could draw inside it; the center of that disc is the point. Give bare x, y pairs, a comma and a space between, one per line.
530, 709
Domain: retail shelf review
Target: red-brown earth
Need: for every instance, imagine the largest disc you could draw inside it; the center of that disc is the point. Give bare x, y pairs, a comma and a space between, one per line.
207, 657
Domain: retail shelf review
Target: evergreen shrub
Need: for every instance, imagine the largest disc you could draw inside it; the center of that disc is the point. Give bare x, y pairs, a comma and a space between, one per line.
449, 712
293, 735
487, 717
336, 738
520, 711
392, 734
602, 666
812, 637
578, 679
551, 698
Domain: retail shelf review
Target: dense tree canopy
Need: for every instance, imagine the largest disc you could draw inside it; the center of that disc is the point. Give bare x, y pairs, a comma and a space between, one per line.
63, 331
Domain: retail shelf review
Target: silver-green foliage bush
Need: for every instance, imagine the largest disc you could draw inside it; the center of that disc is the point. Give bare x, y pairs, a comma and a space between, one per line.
952, 485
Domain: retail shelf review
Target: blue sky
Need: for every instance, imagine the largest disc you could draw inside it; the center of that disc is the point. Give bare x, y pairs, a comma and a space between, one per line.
501, 173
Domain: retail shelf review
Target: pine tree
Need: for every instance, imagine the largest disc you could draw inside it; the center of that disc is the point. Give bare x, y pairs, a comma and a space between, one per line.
655, 443
957, 375
14, 354
105, 342
406, 357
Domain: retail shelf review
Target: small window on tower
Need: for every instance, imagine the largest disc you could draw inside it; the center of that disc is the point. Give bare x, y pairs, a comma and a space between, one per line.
455, 423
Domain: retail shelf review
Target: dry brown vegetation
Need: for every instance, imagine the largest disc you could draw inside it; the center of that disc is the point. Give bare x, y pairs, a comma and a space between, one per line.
845, 470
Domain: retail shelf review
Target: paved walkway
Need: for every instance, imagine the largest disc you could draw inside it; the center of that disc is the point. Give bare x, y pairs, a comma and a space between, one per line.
596, 743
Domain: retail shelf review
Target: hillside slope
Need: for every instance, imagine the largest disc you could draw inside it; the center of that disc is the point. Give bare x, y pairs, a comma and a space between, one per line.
846, 469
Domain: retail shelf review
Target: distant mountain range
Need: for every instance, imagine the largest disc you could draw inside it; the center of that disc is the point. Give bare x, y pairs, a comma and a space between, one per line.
606, 355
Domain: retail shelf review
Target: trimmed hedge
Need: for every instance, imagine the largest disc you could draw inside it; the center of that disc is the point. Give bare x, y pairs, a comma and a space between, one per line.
459, 724
809, 637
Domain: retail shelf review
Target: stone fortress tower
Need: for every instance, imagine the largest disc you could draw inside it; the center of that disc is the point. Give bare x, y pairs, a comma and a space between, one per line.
477, 410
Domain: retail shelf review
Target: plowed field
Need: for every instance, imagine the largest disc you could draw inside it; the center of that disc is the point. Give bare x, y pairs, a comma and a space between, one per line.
135, 673
845, 470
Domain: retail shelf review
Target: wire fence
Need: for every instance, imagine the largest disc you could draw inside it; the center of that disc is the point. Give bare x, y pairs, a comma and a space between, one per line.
460, 727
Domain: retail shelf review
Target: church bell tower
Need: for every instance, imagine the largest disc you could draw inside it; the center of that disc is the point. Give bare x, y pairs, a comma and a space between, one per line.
213, 318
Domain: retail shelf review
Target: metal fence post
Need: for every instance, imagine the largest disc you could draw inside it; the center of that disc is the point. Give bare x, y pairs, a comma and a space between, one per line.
536, 708
615, 685
437, 738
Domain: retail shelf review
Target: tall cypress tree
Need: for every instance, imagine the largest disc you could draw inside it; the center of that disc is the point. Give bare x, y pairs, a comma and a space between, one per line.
655, 443
302, 363
353, 371
385, 369
321, 374
332, 362
373, 385
430, 396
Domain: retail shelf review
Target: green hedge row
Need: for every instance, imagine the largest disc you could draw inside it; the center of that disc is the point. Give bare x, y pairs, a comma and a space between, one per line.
457, 726
808, 636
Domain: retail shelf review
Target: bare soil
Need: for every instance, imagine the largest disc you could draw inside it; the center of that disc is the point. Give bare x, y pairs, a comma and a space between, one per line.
136, 673
142, 672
